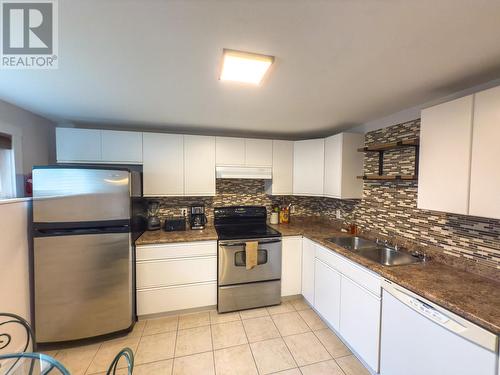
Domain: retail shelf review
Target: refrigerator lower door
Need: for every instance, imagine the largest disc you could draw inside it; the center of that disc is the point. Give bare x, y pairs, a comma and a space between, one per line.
83, 286
69, 195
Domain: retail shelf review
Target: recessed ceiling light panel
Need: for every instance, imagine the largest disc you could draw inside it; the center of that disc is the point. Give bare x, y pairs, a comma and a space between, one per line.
244, 67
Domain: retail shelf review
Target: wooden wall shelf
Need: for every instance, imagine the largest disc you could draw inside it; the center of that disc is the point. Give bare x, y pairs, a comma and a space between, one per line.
390, 146
381, 148
376, 177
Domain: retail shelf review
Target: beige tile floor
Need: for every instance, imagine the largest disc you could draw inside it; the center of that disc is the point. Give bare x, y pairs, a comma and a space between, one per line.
289, 339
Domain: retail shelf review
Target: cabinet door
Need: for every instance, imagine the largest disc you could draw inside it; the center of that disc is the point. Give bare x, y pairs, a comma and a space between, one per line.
308, 270
360, 321
78, 145
291, 266
333, 166
308, 167
485, 171
163, 164
121, 147
258, 152
445, 152
282, 182
230, 151
327, 293
199, 165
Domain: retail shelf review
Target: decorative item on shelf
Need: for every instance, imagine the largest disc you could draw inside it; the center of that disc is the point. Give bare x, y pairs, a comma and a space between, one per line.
380, 148
275, 214
353, 229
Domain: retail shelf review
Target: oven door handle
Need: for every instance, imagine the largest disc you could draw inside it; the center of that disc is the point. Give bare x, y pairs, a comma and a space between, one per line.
263, 242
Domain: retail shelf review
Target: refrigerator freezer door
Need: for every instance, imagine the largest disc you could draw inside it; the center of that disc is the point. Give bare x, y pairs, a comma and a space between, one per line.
83, 286
72, 195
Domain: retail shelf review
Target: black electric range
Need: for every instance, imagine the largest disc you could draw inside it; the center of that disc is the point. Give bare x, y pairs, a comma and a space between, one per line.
242, 222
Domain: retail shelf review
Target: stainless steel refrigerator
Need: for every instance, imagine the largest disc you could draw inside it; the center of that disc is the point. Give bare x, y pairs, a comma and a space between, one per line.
85, 220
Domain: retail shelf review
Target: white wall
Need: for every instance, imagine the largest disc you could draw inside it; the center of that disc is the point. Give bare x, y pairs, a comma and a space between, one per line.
14, 255
33, 139
413, 113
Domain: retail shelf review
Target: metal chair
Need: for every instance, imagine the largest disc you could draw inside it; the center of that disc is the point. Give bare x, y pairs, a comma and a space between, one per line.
37, 363
30, 364
6, 338
126, 353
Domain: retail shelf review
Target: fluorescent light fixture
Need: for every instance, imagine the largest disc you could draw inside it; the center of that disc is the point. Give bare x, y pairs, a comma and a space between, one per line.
244, 66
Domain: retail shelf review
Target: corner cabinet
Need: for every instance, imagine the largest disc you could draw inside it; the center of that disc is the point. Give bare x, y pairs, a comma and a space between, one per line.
458, 171
343, 163
308, 167
308, 250
163, 164
291, 266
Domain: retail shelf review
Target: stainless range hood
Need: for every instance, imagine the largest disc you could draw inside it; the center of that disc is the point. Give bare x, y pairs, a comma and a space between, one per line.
258, 173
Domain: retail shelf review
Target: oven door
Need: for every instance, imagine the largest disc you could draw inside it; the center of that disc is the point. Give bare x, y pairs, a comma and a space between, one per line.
232, 262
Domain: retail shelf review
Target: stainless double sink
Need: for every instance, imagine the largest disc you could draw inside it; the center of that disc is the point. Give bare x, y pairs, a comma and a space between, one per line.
382, 254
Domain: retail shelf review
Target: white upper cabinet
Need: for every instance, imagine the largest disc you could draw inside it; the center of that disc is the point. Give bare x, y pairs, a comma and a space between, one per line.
282, 182
199, 165
343, 163
308, 167
230, 151
98, 146
445, 156
244, 152
163, 164
121, 147
78, 145
485, 169
258, 152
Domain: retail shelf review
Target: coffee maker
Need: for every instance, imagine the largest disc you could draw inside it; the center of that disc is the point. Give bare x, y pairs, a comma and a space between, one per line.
197, 218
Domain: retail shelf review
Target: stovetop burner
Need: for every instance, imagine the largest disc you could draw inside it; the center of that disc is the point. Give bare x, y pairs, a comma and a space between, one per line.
240, 222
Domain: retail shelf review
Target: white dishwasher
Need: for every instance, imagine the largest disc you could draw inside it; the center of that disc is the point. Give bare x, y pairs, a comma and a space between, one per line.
419, 337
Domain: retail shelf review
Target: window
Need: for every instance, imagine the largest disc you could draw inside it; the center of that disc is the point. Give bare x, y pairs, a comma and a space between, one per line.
7, 169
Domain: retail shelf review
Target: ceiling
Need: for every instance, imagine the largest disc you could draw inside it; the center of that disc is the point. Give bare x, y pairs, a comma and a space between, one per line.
154, 64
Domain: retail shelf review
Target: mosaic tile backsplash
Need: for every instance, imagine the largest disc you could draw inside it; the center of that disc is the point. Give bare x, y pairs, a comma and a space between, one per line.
388, 208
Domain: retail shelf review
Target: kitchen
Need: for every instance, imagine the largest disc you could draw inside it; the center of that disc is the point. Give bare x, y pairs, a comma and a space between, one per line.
232, 248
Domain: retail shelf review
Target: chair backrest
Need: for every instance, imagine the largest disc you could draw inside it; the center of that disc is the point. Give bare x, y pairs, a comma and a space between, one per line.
8, 323
31, 364
128, 355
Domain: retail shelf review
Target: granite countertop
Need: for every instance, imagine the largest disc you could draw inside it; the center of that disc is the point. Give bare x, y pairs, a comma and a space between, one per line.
471, 296
160, 236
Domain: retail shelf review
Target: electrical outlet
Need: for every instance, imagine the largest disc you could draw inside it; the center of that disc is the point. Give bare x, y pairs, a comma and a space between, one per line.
338, 214
292, 209
184, 211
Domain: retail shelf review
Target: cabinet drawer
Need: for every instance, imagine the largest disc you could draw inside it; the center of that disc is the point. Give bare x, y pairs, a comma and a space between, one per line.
357, 273
170, 272
159, 300
177, 250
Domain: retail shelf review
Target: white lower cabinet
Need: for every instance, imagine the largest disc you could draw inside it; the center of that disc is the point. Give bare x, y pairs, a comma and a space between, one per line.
360, 321
176, 276
327, 293
308, 251
291, 266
